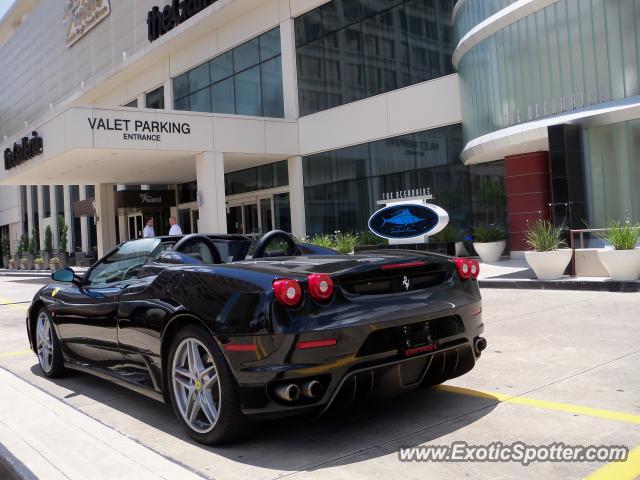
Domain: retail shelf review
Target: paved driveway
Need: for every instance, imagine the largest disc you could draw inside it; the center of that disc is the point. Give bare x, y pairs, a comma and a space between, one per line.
560, 367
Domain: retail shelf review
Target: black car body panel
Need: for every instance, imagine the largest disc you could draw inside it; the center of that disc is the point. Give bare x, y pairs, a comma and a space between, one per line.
396, 319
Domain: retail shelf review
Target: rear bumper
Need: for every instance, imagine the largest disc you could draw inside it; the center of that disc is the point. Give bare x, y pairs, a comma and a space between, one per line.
348, 371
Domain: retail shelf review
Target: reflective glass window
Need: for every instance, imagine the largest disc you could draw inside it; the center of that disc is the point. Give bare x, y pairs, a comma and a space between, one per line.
246, 80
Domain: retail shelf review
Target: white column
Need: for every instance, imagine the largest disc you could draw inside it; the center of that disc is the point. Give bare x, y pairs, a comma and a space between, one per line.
122, 225
105, 221
29, 211
68, 217
296, 197
53, 202
40, 218
141, 101
84, 222
289, 72
168, 94
210, 178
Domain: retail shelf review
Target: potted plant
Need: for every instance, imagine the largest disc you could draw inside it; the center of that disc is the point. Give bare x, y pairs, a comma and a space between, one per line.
39, 263
23, 244
622, 258
48, 244
32, 248
547, 260
62, 242
24, 263
4, 246
451, 237
489, 242
12, 264
54, 263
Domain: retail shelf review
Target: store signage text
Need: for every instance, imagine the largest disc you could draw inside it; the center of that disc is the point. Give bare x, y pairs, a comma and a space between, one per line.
147, 198
80, 16
144, 130
415, 192
24, 150
408, 220
162, 21
553, 106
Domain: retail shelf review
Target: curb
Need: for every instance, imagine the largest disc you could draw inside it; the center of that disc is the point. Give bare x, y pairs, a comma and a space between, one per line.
568, 284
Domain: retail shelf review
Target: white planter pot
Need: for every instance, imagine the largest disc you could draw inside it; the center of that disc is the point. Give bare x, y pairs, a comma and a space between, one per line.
490, 252
549, 265
621, 264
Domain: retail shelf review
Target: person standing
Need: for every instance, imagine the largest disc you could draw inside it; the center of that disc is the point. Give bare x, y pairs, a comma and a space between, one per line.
148, 231
175, 228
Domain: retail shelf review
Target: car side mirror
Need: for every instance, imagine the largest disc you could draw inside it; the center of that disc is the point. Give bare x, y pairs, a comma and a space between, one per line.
63, 275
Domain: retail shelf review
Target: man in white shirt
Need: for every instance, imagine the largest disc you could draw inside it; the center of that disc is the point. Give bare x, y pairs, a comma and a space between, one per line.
148, 230
175, 228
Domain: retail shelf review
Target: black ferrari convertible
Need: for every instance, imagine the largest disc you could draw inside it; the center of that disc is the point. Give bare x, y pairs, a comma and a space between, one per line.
295, 328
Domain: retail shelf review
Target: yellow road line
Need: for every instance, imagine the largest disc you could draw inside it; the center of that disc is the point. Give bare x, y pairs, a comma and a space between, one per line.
545, 404
627, 470
14, 354
12, 304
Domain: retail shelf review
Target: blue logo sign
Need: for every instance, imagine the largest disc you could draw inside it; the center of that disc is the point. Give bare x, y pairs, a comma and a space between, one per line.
408, 220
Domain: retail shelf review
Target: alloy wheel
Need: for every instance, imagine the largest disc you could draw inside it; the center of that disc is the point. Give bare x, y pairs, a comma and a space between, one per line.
44, 342
196, 385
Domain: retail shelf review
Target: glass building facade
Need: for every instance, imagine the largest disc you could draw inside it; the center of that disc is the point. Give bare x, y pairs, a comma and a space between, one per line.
569, 55
246, 80
613, 171
348, 50
472, 12
342, 187
251, 179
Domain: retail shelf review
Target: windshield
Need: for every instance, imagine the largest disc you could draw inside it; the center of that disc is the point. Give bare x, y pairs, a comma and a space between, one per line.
126, 261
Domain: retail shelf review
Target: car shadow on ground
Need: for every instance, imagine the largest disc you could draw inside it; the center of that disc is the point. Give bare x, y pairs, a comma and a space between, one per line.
302, 443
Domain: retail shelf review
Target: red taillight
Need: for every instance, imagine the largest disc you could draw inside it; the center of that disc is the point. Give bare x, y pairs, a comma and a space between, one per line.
467, 268
287, 291
320, 286
316, 343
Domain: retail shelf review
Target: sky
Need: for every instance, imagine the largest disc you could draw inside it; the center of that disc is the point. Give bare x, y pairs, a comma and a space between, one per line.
4, 6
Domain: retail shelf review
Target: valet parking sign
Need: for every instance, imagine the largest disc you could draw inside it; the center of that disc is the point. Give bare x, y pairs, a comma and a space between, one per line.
139, 130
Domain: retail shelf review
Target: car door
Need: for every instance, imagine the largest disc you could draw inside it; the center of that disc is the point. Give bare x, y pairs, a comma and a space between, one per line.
87, 315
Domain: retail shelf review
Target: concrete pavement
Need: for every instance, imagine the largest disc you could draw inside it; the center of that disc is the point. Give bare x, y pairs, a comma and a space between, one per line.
560, 366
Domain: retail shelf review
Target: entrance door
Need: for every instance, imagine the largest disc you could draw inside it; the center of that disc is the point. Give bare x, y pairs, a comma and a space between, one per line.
258, 214
135, 226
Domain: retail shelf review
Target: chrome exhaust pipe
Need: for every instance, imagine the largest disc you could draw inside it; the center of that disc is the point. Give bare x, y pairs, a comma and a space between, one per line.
288, 392
312, 389
479, 344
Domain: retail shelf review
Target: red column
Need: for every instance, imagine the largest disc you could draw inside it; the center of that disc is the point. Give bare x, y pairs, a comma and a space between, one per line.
528, 193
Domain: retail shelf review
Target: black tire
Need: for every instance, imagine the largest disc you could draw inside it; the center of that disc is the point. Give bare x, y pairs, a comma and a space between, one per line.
56, 367
231, 423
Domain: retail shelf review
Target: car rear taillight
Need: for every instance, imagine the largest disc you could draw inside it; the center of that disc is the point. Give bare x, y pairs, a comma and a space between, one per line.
287, 291
467, 268
320, 286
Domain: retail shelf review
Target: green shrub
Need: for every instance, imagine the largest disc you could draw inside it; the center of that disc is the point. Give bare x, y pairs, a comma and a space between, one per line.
62, 241
343, 243
322, 240
369, 238
346, 242
5, 245
488, 234
48, 239
543, 236
621, 235
450, 233
33, 242
23, 244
